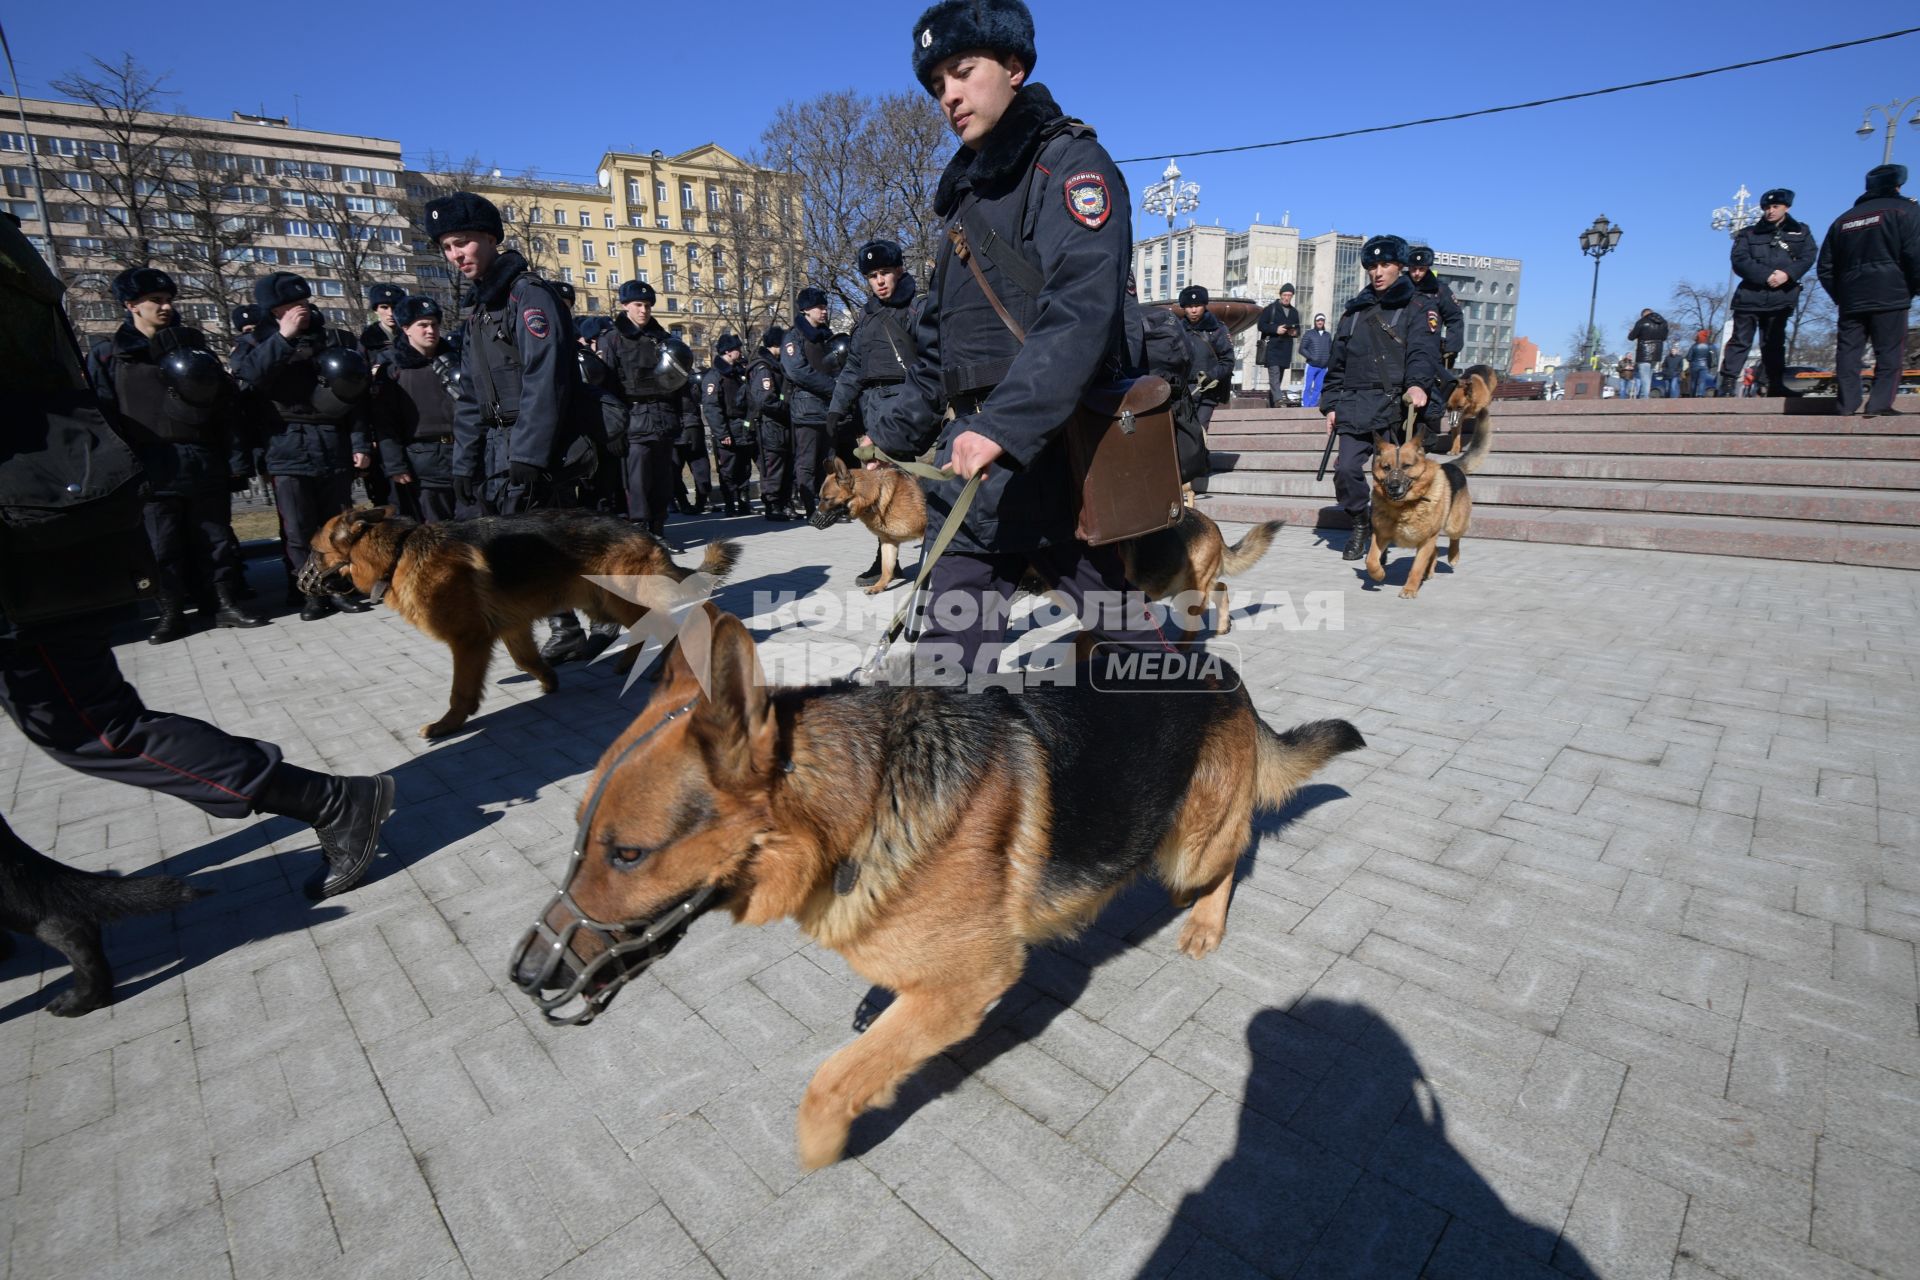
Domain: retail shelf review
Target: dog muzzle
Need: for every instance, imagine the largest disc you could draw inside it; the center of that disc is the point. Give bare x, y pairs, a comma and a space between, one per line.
824, 516
570, 964
320, 580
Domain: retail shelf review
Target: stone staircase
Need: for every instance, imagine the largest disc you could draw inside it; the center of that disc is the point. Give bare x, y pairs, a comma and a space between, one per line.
1778, 479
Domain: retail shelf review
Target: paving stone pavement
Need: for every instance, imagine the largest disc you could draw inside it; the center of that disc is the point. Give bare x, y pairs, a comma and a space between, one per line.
1598, 960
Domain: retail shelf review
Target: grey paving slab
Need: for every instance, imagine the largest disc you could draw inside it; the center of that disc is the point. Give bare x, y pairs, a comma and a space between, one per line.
1599, 960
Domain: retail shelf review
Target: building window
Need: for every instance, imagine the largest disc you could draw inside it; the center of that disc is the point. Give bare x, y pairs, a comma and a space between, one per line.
586, 250
13, 142
586, 217
713, 199
687, 223
609, 220
593, 275
566, 274
659, 193
633, 191
686, 196
672, 282
639, 248
739, 200
613, 278
613, 249
699, 305
636, 219
566, 245
640, 275
666, 253
663, 222
539, 214
559, 217
673, 304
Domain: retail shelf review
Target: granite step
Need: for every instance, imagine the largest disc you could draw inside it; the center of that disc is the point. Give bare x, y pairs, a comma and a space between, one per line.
1816, 472
1509, 440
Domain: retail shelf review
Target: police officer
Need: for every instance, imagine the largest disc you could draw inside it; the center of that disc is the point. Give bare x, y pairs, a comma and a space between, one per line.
312, 383
168, 396
518, 371
650, 371
1453, 334
243, 321
380, 335
565, 290
690, 453
1279, 326
415, 391
809, 393
880, 350
1769, 258
1045, 218
58, 678
767, 406
1212, 348
1870, 266
1386, 348
723, 406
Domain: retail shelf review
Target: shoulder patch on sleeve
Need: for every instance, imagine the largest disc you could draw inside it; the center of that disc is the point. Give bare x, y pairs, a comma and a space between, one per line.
534, 320
766, 382
1087, 199
1433, 322
792, 349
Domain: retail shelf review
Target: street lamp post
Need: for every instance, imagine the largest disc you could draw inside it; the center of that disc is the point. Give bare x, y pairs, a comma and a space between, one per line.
1891, 113
1170, 198
1733, 219
1597, 241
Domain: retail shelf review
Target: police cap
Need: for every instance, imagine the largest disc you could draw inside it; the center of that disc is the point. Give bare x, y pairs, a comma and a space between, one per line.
270, 291
879, 255
955, 26
1194, 295
1779, 195
810, 297
636, 291
462, 211
136, 283
1383, 249
386, 295
411, 311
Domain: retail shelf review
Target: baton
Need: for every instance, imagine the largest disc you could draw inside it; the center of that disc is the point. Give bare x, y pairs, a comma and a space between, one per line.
1325, 454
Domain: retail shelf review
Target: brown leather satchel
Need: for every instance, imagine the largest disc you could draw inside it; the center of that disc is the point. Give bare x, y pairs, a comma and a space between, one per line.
1120, 443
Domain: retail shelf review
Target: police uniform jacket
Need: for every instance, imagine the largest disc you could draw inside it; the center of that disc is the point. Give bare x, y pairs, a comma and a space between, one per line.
1452, 321
1045, 196
305, 429
375, 339
1871, 258
723, 405
519, 370
1764, 248
880, 352
647, 410
1384, 344
809, 387
184, 449
1274, 317
766, 394
1212, 347
413, 414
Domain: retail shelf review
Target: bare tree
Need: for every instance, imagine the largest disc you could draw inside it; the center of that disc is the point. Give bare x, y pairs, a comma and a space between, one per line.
841, 205
743, 284
213, 236
522, 219
1698, 306
1814, 326
902, 152
122, 178
439, 175
1583, 343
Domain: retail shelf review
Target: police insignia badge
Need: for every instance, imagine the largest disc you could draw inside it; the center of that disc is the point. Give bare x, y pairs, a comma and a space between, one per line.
766, 383
1087, 199
926, 38
535, 320
792, 349
1433, 322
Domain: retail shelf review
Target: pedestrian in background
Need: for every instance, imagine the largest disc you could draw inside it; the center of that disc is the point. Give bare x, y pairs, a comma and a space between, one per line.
1649, 338
1700, 363
1671, 368
1316, 348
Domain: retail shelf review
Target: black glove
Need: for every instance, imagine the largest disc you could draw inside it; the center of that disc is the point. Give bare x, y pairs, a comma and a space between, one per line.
834, 422
524, 475
239, 484
463, 490
1449, 358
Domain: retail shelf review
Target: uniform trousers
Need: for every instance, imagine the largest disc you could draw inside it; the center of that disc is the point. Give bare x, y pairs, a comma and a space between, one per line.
1886, 331
652, 475
193, 543
305, 503
1773, 347
809, 456
776, 466
1352, 481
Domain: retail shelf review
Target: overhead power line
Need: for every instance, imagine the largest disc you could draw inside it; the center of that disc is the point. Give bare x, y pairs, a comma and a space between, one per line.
1524, 106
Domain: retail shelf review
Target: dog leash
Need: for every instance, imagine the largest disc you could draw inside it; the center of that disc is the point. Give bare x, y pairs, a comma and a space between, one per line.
950, 527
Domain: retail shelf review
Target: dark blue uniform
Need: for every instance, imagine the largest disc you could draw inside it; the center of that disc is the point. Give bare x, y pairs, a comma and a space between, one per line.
1453, 338
1384, 345
517, 356
309, 436
413, 419
767, 405
1212, 347
809, 393
1759, 251
1870, 267
878, 356
649, 415
1048, 199
723, 408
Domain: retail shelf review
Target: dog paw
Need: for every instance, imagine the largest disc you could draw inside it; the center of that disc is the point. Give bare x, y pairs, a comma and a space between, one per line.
1377, 575
875, 589
1408, 593
440, 728
72, 1004
549, 683
821, 1138
1200, 937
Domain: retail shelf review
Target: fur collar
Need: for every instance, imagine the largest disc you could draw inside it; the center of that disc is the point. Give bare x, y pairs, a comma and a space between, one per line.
403, 354
808, 331
490, 290
902, 295
1005, 154
628, 329
1398, 294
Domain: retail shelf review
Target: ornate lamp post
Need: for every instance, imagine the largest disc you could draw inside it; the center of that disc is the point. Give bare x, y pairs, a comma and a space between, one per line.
1597, 241
1891, 113
1171, 197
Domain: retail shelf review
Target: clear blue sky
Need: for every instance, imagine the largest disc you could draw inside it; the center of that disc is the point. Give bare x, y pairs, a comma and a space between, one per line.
1656, 161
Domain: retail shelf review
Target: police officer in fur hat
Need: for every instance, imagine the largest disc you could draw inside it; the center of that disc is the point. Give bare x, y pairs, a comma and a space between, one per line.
1769, 258
651, 374
881, 349
1386, 353
379, 335
1453, 334
1870, 267
312, 382
1212, 348
723, 408
809, 393
415, 392
169, 398
1045, 212
767, 409
1279, 325
519, 373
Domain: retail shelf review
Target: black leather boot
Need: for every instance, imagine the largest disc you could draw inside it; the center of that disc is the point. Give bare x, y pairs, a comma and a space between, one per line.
565, 640
598, 640
314, 608
232, 612
172, 624
346, 813
872, 574
1358, 541
350, 604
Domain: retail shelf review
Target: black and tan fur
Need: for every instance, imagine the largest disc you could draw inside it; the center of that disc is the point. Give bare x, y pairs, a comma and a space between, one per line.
929, 836
1468, 402
885, 499
64, 907
1416, 499
470, 583
1186, 561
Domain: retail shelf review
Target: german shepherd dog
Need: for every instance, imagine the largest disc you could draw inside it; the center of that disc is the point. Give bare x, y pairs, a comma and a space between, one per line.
1415, 500
1190, 557
885, 499
930, 836
1468, 402
470, 583
65, 907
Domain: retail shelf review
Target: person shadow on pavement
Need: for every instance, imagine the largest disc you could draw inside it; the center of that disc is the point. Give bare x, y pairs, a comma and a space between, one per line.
1341, 1166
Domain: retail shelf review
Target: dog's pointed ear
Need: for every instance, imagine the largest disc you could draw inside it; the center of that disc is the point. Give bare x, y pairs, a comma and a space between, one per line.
371, 515
1381, 442
839, 468
733, 720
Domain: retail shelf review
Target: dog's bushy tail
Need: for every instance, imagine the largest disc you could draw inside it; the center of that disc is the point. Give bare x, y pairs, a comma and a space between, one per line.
720, 558
1482, 445
1285, 760
37, 886
1246, 553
